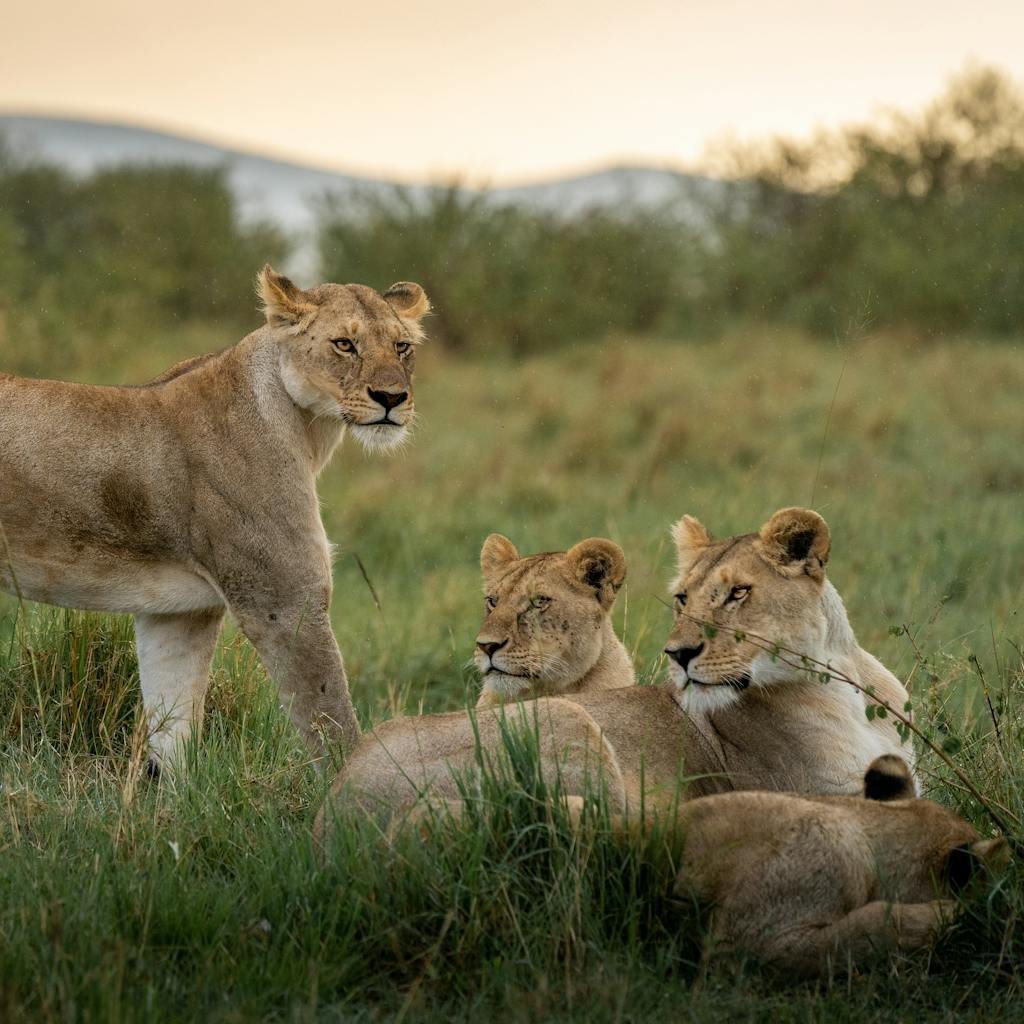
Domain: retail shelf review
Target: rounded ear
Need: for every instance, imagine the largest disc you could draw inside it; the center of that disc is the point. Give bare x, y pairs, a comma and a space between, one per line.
498, 551
963, 861
408, 299
284, 304
599, 564
796, 541
888, 778
691, 536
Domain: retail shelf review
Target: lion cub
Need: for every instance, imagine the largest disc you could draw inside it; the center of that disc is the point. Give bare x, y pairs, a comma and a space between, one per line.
808, 884
547, 628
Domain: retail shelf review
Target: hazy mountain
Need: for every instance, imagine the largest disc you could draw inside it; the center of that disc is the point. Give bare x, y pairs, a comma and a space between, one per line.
283, 192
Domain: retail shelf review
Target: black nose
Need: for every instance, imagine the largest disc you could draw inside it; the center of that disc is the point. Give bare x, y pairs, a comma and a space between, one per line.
390, 400
684, 655
490, 649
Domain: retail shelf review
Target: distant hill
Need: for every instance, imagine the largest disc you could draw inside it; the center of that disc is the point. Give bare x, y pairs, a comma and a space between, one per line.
284, 192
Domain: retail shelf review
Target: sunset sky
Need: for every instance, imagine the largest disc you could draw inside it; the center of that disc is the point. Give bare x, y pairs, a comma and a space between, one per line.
503, 93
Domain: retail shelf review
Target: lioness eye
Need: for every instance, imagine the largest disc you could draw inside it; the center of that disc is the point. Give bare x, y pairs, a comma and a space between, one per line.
681, 599
738, 593
343, 344
401, 347
491, 602
539, 602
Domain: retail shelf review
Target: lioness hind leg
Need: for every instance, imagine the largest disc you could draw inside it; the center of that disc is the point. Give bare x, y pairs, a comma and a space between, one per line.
175, 653
860, 934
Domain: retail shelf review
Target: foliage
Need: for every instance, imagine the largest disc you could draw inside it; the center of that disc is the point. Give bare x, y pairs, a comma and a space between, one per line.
121, 902
503, 276
129, 250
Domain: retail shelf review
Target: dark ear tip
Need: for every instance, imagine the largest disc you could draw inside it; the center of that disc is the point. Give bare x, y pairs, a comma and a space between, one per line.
888, 778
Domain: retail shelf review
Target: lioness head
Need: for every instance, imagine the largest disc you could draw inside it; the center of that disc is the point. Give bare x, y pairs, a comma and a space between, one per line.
769, 584
347, 351
546, 617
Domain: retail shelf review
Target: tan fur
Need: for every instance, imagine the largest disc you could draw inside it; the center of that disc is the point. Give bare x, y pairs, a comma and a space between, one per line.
407, 761
198, 493
809, 885
772, 585
789, 733
547, 628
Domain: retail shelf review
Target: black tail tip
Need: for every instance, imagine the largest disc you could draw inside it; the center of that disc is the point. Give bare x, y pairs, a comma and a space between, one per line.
888, 778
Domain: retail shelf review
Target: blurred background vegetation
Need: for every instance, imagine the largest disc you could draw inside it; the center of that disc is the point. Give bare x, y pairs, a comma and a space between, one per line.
914, 224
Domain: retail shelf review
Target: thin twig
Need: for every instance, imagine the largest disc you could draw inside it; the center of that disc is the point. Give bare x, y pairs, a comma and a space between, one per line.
370, 586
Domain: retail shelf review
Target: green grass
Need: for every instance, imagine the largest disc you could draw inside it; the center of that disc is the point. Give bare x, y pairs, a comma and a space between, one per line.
121, 901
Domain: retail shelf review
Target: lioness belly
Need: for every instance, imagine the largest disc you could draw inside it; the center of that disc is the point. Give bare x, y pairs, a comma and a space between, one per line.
112, 583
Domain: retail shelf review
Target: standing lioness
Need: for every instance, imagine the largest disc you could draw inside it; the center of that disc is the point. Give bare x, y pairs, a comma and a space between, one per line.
198, 493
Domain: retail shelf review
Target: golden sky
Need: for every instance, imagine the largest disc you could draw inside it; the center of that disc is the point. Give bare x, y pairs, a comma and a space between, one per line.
499, 92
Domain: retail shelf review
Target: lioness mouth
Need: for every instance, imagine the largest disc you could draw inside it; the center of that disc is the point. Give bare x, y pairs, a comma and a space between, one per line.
739, 684
501, 672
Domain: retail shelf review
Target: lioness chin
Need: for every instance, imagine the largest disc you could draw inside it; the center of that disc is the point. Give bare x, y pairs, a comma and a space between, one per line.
547, 628
197, 493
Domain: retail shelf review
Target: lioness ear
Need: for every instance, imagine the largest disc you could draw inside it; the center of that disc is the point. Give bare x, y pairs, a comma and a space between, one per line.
284, 304
599, 564
408, 299
691, 537
497, 552
796, 541
888, 778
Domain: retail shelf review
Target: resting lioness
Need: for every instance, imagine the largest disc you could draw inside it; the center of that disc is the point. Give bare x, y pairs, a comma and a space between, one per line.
808, 884
547, 628
769, 725
198, 493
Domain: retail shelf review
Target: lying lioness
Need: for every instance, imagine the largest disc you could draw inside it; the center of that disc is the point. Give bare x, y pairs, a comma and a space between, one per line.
769, 723
806, 884
198, 493
547, 628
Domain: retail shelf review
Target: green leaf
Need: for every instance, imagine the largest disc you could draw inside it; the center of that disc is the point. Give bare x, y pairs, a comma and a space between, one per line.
882, 711
710, 631
869, 712
952, 745
740, 636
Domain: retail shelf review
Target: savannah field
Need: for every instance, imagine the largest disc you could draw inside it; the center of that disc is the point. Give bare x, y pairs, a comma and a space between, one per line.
844, 330
121, 900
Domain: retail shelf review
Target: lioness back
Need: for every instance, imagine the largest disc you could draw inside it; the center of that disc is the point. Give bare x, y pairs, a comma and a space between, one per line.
437, 757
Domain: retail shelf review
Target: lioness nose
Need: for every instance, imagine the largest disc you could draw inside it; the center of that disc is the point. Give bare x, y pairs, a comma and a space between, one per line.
684, 655
489, 648
390, 400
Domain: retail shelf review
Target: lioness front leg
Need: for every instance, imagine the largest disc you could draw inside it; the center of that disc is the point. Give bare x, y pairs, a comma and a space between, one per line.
296, 642
175, 653
860, 934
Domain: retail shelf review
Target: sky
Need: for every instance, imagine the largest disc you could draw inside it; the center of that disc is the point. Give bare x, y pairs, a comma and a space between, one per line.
496, 93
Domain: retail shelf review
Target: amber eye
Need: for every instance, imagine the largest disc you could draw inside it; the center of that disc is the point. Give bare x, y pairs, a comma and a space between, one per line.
738, 593
491, 602
344, 344
681, 599
401, 347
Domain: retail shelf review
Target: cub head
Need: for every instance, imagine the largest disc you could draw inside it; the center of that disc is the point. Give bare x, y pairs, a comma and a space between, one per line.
544, 616
936, 849
770, 583
347, 352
